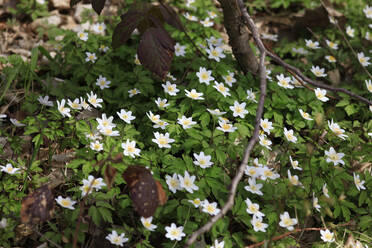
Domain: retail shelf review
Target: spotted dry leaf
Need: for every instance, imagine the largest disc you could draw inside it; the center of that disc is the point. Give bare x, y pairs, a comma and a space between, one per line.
38, 206
144, 190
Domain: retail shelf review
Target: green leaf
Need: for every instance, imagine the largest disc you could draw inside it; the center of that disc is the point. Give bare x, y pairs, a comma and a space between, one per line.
346, 213
106, 214
34, 57
362, 197
96, 217
351, 109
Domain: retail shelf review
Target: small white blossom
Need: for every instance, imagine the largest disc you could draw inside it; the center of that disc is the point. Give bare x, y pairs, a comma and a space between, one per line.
273, 37
130, 148
257, 224
265, 141
215, 53
218, 244
226, 127
115, 239
253, 208
133, 92
294, 179
287, 222
330, 59
327, 236
207, 22
99, 28
251, 95
317, 71
229, 79
368, 11
62, 109
82, 36
92, 99
174, 232
204, 75
173, 182
300, 50
186, 122
239, 109
336, 129
253, 187
126, 116
187, 182
45, 101
316, 203
146, 222
321, 94
96, 146
294, 163
170, 89
65, 202
216, 112
284, 82
312, 44
161, 103
91, 57
325, 190
75, 104
202, 160
179, 50
358, 183
8, 168
196, 202
16, 122
194, 95
305, 115
210, 208
266, 125
332, 45
363, 60
162, 140
220, 87
102, 82
289, 135
333, 156
350, 31
369, 85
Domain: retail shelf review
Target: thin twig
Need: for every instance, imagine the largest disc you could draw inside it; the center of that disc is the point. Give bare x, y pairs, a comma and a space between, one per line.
347, 42
296, 231
252, 27
234, 184
46, 238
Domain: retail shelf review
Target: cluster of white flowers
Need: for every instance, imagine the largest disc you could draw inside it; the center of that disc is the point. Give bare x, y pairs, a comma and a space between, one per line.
179, 182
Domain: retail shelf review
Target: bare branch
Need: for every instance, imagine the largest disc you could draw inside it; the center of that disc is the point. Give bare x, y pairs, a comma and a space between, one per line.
234, 184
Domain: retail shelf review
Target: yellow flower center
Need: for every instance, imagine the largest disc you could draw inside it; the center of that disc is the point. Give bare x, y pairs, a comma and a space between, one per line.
287, 222
162, 141
65, 202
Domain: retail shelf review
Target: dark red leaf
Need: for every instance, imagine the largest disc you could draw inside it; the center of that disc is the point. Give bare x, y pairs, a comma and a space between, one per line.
170, 16
98, 5
156, 50
109, 176
37, 206
73, 2
122, 32
162, 196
